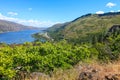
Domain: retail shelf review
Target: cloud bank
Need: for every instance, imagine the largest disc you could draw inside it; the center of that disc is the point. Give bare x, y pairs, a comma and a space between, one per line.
110, 4
100, 12
112, 11
118, 10
12, 13
31, 22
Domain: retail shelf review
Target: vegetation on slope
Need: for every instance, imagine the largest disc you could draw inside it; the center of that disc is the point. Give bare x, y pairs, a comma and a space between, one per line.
48, 57
86, 28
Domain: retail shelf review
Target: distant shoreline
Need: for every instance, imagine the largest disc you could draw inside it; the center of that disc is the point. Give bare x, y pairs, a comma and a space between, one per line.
17, 31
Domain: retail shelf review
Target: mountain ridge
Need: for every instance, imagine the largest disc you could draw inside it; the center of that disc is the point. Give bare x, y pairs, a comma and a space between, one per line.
6, 26
86, 27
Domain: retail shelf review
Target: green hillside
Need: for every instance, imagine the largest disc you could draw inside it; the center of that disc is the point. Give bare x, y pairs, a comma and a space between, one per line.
21, 61
85, 28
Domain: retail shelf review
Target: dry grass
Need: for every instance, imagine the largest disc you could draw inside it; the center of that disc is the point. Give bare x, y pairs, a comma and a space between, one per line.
73, 74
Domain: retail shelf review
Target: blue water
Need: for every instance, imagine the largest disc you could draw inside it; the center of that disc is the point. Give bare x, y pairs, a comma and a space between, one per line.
18, 37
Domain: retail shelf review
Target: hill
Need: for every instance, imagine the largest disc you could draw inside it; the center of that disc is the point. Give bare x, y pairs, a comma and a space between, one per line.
12, 26
88, 27
64, 60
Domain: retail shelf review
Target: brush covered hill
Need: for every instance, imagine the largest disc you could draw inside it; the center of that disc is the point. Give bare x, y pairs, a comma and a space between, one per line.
12, 26
89, 27
29, 61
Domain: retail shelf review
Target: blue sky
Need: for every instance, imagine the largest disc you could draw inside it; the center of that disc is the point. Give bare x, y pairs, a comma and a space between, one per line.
44, 13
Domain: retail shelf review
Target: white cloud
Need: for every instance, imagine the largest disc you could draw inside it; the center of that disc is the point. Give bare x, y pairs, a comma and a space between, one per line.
118, 10
12, 13
36, 23
7, 18
110, 4
100, 12
30, 9
112, 11
31, 22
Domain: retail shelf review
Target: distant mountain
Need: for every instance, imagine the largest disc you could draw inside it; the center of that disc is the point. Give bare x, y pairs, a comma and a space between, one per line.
85, 28
58, 26
12, 26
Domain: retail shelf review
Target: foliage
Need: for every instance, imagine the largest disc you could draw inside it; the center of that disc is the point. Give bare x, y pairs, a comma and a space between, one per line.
43, 57
92, 31
47, 57
85, 28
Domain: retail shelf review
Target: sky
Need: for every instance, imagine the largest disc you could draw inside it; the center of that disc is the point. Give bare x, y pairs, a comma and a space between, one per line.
45, 13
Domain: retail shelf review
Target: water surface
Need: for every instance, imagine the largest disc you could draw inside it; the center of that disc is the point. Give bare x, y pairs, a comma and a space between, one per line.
18, 37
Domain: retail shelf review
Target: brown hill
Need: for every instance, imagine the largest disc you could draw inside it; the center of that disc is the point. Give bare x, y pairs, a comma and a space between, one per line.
12, 26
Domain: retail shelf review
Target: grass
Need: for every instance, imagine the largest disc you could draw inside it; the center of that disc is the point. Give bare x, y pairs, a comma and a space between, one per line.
103, 70
84, 26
